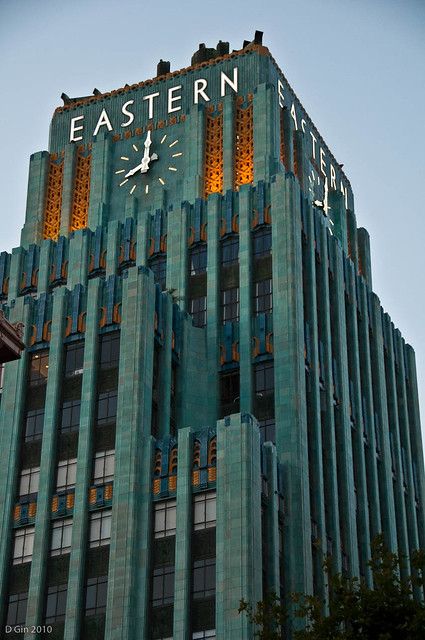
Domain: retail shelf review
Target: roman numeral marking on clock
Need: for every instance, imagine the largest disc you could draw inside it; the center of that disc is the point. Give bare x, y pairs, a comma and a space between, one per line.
172, 169
120, 171
123, 182
124, 158
161, 181
135, 148
147, 189
173, 143
177, 155
132, 189
163, 138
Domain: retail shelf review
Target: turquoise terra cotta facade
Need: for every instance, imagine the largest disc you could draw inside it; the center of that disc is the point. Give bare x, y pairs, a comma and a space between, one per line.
212, 398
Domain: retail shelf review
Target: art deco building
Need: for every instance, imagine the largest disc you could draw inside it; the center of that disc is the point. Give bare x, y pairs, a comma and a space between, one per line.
211, 398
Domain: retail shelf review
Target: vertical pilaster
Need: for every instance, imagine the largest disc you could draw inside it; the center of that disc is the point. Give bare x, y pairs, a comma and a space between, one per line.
36, 592
194, 136
228, 140
245, 297
68, 188
99, 192
79, 243
44, 267
182, 582
272, 515
213, 299
142, 239
288, 139
365, 264
264, 116
238, 523
177, 235
112, 247
165, 368
15, 274
291, 419
74, 604
32, 231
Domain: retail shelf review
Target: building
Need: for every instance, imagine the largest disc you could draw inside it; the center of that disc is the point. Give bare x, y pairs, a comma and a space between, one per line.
212, 398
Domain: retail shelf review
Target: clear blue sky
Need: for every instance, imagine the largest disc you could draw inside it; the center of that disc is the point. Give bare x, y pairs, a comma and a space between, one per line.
358, 66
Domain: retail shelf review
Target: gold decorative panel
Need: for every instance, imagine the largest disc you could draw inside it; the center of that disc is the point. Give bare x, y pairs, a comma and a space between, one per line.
80, 203
244, 143
52, 209
213, 161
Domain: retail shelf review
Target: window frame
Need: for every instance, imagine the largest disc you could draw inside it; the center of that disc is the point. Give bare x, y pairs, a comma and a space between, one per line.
99, 607
227, 246
262, 300
70, 466
26, 534
199, 315
198, 259
262, 242
103, 457
64, 527
72, 349
56, 590
33, 475
166, 510
159, 577
104, 398
201, 503
38, 415
20, 616
104, 516
230, 305
200, 568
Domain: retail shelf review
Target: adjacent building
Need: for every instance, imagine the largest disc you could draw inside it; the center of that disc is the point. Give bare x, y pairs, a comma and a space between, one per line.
211, 399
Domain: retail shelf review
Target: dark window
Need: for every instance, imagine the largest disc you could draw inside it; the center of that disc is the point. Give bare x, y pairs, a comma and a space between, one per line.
104, 466
230, 251
29, 480
96, 592
198, 259
66, 474
17, 608
230, 305
268, 430
61, 537
34, 420
109, 350
70, 415
203, 578
23, 545
163, 586
229, 393
56, 603
107, 407
38, 368
204, 510
263, 296
159, 268
74, 359
165, 519
198, 311
262, 242
100, 528
264, 390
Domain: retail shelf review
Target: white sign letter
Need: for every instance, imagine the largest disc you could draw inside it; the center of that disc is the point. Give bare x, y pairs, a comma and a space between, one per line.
280, 93
294, 116
74, 129
322, 161
344, 193
333, 177
314, 145
199, 90
127, 113
172, 99
233, 84
303, 123
150, 99
102, 122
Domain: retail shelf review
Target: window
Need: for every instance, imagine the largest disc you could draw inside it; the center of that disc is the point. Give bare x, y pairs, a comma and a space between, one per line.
163, 586
198, 311
61, 537
107, 407
38, 368
34, 420
23, 545
70, 415
56, 603
268, 430
109, 350
230, 305
263, 297
264, 392
230, 251
165, 519
203, 578
159, 268
17, 608
104, 466
96, 592
204, 510
66, 474
29, 481
100, 528
74, 359
198, 259
229, 393
262, 242
200, 635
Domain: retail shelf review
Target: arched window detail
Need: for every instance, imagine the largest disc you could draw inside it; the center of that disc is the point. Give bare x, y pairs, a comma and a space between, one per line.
157, 471
172, 469
212, 459
196, 475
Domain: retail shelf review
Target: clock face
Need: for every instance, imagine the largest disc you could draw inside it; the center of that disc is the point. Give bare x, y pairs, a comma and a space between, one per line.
152, 160
319, 193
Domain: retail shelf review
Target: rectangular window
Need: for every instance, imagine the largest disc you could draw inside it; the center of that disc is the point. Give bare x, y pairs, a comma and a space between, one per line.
230, 305
203, 578
204, 635
204, 510
264, 397
70, 415
38, 368
104, 466
56, 603
100, 528
230, 251
262, 242
159, 268
229, 393
74, 359
66, 474
198, 259
198, 311
29, 480
165, 519
96, 593
109, 350
34, 421
163, 586
268, 430
23, 545
61, 537
263, 296
17, 608
107, 407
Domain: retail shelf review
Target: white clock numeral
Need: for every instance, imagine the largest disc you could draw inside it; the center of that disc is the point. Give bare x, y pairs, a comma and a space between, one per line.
135, 148
177, 155
172, 169
123, 182
173, 143
125, 158
147, 189
161, 181
132, 189
163, 139
120, 171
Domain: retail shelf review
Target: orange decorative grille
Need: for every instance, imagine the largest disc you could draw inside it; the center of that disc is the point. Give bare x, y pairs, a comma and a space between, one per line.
52, 209
244, 143
80, 203
213, 161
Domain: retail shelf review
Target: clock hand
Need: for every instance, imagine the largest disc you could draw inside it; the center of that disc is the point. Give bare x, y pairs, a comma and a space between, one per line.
146, 157
133, 171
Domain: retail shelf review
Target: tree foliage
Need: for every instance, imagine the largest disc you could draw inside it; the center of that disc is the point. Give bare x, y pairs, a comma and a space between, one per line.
388, 611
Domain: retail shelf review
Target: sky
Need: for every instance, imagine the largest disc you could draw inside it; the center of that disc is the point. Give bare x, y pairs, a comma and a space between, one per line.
358, 67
